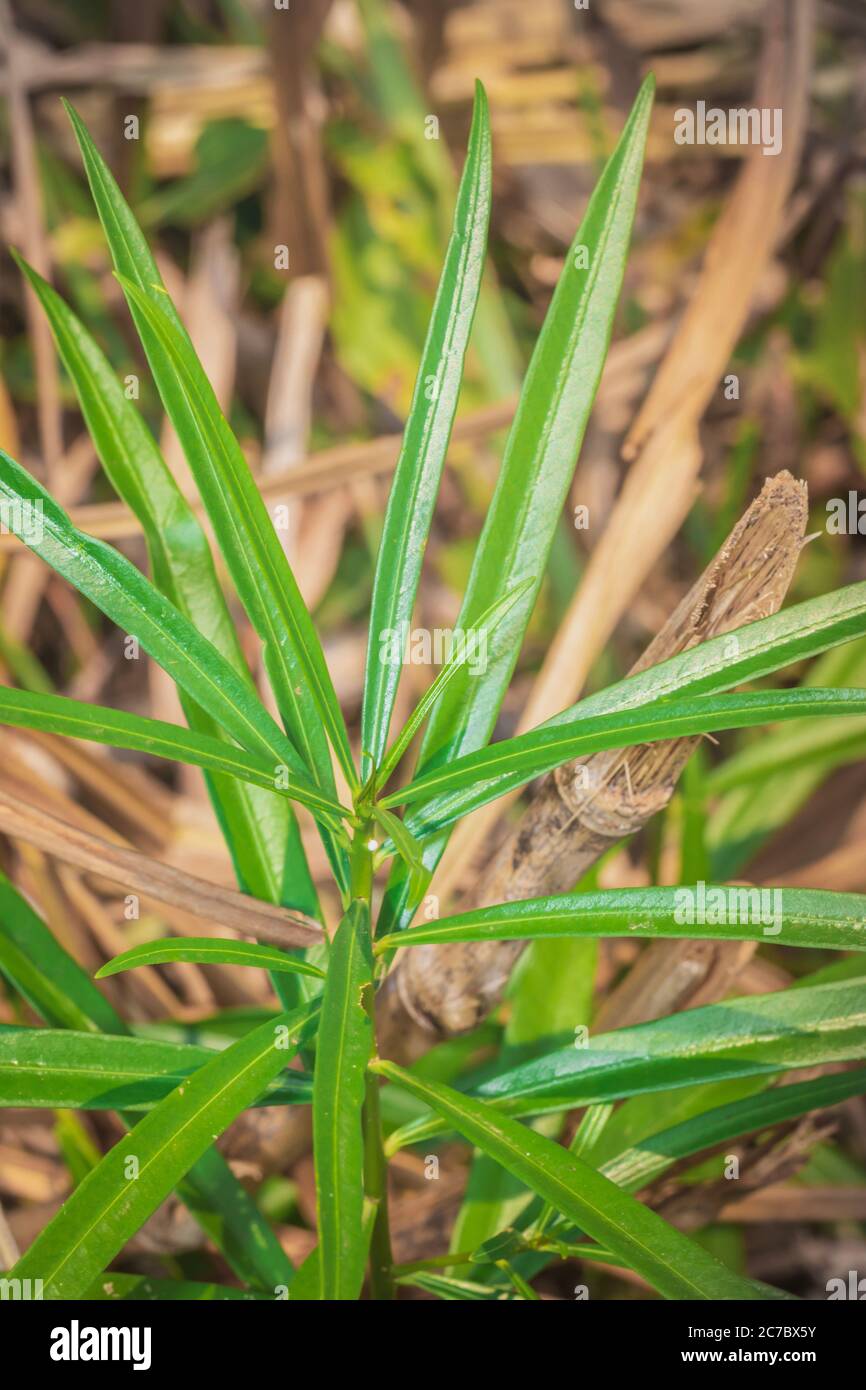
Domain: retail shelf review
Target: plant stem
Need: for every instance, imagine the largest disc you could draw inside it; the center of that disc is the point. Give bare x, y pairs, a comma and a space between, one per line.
376, 1189
375, 1163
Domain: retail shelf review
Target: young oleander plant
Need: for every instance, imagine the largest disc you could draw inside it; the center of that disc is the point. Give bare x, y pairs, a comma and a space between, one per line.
176, 1098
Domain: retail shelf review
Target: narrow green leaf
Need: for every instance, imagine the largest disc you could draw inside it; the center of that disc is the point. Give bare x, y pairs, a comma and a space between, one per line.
140, 1288
761, 1035
61, 1069
409, 850
754, 1036
539, 459
549, 991
459, 657
257, 562
668, 1260
743, 819
343, 1048
59, 714
59, 990
208, 950
640, 1165
788, 750
784, 916
46, 975
427, 433
260, 830
745, 654
231, 1218
452, 1290
463, 785
111, 1204
121, 591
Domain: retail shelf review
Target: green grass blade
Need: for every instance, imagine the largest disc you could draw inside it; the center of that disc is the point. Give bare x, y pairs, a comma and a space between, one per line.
743, 819
110, 1204
668, 1260
59, 714
60, 1069
783, 916
208, 950
262, 836
538, 463
427, 433
343, 1048
460, 787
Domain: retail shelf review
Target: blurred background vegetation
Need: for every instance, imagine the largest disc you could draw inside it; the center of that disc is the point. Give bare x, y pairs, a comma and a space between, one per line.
295, 169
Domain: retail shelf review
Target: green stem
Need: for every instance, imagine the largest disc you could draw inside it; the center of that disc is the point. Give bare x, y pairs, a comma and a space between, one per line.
375, 1163
376, 1189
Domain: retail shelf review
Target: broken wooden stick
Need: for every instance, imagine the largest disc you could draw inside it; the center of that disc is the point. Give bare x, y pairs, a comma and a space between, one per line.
585, 807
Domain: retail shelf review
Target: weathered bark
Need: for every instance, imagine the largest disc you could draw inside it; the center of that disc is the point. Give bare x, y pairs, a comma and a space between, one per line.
582, 809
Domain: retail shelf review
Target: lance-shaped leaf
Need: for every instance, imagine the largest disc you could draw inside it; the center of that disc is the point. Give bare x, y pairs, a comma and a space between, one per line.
108, 579
208, 950
745, 654
140, 1288
462, 786
260, 829
783, 916
132, 1179
58, 714
426, 436
39, 968
539, 459
757, 1036
342, 1051
468, 649
244, 529
409, 850
668, 1260
65, 997
754, 1036
60, 1069
646, 1161
247, 538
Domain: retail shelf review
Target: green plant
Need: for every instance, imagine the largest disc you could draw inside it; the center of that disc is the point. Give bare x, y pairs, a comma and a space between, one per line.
577, 1200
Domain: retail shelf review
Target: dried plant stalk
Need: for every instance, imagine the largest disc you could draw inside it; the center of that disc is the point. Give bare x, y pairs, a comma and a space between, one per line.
584, 808
139, 873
